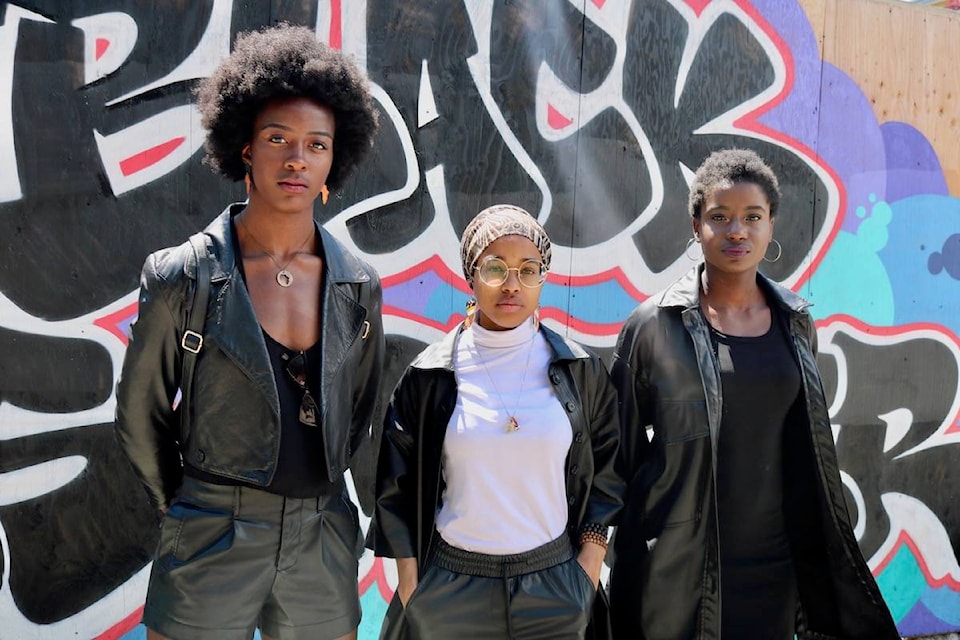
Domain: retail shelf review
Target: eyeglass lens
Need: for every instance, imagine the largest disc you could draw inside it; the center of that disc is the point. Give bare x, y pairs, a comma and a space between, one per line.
494, 272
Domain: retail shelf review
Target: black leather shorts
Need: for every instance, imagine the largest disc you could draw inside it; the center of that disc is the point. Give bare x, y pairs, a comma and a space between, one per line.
231, 559
542, 594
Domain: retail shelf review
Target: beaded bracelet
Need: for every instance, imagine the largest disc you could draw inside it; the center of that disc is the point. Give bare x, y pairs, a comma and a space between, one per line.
595, 533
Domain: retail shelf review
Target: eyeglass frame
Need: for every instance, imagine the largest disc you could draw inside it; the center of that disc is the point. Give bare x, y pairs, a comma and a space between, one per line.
543, 272
308, 404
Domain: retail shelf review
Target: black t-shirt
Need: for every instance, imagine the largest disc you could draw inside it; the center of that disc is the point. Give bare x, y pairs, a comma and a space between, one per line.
760, 381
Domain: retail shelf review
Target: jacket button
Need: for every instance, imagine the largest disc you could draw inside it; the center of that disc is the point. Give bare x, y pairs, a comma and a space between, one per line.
555, 378
571, 500
571, 407
574, 470
201, 456
578, 437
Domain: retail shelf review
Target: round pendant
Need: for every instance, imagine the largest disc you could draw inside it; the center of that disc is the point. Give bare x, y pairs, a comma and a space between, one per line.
284, 278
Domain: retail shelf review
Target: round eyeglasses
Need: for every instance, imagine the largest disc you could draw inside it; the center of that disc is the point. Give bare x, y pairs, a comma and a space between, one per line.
494, 272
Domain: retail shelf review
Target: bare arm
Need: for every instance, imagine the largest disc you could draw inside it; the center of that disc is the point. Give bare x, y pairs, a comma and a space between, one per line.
591, 559
407, 572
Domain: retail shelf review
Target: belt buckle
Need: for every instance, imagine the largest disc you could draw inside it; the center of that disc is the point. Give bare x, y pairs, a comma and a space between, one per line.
195, 341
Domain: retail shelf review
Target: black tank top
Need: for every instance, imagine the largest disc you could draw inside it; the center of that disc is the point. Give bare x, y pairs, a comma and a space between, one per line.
301, 467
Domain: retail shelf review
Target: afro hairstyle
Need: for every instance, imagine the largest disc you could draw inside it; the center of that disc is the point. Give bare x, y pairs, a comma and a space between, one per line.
280, 62
725, 168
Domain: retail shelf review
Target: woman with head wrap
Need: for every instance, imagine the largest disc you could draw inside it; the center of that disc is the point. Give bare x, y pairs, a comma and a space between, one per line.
495, 483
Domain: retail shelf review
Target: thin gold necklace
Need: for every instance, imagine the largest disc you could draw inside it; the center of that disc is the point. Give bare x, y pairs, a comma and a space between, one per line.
284, 277
512, 423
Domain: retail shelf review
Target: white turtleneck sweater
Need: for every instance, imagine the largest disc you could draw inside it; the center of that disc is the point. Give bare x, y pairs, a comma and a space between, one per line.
505, 491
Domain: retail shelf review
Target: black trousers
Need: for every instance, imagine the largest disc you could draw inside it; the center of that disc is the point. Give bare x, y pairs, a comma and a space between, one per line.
542, 594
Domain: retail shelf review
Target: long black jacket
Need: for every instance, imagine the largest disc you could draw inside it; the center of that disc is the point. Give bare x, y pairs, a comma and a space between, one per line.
234, 431
666, 580
409, 480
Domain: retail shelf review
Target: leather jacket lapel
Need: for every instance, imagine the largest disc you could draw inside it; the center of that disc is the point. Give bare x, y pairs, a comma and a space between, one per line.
232, 324
342, 325
343, 318
237, 332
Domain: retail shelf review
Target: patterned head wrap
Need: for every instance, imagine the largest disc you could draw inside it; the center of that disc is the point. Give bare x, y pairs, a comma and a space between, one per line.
495, 222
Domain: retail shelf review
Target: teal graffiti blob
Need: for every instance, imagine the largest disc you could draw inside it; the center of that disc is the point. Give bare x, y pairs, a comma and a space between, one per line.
851, 278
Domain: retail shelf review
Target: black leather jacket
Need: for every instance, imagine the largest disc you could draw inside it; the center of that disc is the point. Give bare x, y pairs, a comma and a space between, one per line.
666, 582
409, 480
235, 430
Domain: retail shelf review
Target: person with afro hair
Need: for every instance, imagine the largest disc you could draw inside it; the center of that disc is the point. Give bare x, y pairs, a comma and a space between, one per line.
735, 525
270, 330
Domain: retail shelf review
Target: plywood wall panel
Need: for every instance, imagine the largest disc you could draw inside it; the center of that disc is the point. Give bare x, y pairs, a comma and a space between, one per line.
906, 59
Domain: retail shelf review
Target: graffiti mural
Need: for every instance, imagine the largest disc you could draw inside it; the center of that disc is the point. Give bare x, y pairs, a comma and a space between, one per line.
592, 114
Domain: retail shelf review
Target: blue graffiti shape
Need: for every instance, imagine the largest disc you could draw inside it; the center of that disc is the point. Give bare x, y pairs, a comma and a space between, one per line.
947, 259
919, 226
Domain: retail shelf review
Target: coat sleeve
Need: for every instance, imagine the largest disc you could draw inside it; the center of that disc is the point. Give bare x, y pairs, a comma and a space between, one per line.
635, 400
393, 527
146, 426
607, 489
370, 374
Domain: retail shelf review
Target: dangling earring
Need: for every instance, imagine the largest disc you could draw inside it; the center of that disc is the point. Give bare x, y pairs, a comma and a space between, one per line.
324, 194
471, 313
536, 319
779, 251
247, 180
686, 251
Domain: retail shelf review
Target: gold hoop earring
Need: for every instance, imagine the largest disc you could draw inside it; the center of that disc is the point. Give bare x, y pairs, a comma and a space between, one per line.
779, 251
470, 312
686, 251
536, 319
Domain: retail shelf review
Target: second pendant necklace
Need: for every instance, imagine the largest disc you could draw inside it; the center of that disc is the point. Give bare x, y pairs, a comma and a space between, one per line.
512, 423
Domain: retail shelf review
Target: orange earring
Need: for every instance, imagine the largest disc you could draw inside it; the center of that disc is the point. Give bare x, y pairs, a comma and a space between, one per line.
324, 194
471, 313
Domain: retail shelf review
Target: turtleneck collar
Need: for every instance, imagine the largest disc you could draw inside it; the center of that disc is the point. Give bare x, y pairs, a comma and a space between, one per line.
503, 339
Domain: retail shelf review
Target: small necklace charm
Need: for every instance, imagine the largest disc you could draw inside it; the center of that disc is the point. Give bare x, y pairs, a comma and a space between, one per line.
513, 425
284, 276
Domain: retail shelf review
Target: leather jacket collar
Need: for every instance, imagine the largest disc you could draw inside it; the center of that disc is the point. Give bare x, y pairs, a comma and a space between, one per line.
685, 292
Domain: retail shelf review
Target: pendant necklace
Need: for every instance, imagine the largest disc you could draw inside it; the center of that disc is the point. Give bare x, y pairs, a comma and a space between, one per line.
284, 277
512, 423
